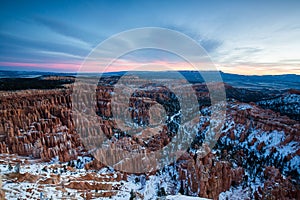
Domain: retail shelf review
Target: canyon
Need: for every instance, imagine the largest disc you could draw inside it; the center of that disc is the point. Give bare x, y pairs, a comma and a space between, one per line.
257, 151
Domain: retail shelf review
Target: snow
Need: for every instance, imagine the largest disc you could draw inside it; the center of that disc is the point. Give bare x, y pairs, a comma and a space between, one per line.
145, 189
240, 192
183, 197
288, 103
235, 194
244, 106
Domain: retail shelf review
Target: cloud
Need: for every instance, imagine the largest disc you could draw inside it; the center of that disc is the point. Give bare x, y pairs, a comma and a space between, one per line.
295, 61
245, 50
210, 45
34, 66
154, 44
238, 54
68, 30
29, 48
263, 68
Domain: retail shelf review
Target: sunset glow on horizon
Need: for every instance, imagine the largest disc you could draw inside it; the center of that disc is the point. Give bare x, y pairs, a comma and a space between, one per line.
240, 37
150, 66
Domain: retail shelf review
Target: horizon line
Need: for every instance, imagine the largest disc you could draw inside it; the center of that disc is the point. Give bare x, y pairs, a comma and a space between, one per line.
124, 71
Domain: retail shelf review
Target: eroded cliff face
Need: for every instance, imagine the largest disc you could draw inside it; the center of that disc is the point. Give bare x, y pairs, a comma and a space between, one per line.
207, 177
40, 124
2, 193
257, 141
276, 186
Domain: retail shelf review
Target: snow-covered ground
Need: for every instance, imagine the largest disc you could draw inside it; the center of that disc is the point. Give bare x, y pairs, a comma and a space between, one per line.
31, 181
183, 197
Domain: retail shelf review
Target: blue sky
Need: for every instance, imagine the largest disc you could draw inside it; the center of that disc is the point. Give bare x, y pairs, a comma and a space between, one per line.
244, 37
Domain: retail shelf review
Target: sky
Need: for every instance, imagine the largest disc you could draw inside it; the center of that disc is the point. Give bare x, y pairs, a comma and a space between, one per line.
241, 37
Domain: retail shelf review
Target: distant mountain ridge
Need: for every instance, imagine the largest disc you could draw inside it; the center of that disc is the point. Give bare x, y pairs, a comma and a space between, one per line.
253, 82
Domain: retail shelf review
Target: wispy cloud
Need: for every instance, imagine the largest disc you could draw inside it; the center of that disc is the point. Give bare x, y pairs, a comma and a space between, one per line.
13, 48
54, 66
210, 44
33, 43
66, 29
257, 68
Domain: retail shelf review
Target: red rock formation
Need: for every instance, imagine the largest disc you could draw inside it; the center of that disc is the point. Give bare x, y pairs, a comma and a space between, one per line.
2, 193
94, 165
276, 186
207, 177
38, 123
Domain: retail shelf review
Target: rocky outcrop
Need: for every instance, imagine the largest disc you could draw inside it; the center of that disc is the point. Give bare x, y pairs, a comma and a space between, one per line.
276, 186
38, 123
262, 141
207, 177
2, 193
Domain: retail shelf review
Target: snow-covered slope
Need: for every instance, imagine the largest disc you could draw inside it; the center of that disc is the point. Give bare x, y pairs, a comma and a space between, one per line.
288, 104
